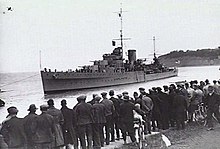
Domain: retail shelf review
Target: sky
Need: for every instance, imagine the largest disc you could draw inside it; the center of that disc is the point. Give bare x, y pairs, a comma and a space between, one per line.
71, 33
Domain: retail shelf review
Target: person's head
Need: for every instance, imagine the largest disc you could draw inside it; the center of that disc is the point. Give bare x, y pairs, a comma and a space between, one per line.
187, 85
206, 81
126, 98
159, 89
12, 111
97, 99
141, 90
125, 93
94, 95
172, 86
32, 108
135, 95
44, 108
119, 96
50, 102
201, 83
63, 102
214, 81
81, 98
154, 89
104, 94
151, 91
210, 89
165, 88
195, 86
111, 93
195, 81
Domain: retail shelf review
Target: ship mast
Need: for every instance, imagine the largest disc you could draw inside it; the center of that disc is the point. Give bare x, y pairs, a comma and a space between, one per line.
154, 47
121, 30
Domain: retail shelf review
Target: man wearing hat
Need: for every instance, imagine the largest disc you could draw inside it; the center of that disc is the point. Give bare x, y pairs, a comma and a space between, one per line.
142, 92
166, 89
116, 104
120, 98
205, 88
126, 116
13, 130
164, 105
93, 99
58, 120
109, 125
84, 119
212, 101
69, 125
30, 122
44, 130
216, 87
99, 113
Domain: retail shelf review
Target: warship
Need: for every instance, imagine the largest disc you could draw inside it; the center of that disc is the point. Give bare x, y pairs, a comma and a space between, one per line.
112, 70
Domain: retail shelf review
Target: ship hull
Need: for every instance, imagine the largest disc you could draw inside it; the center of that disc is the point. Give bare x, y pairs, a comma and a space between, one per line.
64, 81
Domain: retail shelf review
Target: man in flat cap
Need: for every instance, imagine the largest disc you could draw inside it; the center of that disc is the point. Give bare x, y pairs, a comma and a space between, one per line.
69, 125
30, 122
109, 125
58, 120
142, 92
99, 113
44, 130
164, 105
13, 130
120, 98
93, 99
126, 116
212, 101
84, 119
116, 104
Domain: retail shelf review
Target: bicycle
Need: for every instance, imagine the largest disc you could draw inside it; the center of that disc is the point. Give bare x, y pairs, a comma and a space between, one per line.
139, 132
200, 115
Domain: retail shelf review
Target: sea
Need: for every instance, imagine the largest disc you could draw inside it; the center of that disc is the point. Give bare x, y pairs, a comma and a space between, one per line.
22, 89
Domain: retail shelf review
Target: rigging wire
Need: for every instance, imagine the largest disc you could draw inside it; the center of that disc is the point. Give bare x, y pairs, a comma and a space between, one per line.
19, 80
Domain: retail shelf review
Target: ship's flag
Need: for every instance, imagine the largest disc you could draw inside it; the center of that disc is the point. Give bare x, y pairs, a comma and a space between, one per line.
119, 14
113, 43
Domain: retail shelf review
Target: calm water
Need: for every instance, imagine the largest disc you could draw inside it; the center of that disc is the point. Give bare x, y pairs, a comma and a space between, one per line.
23, 89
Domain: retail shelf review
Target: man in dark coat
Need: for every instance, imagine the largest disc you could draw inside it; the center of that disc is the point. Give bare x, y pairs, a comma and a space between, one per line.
109, 125
180, 105
30, 122
69, 125
58, 120
142, 92
156, 114
3, 145
127, 119
116, 104
212, 101
99, 117
146, 104
84, 119
164, 108
44, 130
13, 130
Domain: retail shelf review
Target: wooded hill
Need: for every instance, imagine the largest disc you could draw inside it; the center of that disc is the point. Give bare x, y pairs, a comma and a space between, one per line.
200, 57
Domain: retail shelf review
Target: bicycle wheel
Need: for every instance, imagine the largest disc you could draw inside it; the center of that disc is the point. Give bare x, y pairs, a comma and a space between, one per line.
140, 137
200, 119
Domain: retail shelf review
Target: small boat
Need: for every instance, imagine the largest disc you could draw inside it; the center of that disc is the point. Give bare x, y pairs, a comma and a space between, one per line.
2, 103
